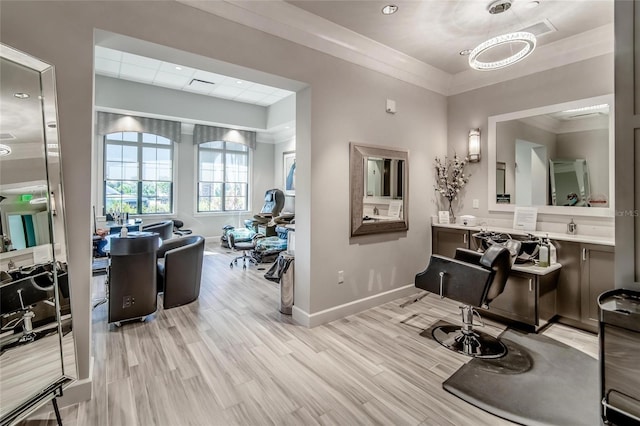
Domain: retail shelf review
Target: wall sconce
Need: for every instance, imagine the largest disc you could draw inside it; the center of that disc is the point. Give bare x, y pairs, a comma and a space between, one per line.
474, 145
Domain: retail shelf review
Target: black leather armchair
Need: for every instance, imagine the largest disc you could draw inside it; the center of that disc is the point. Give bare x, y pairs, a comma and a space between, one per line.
178, 228
474, 279
180, 270
164, 229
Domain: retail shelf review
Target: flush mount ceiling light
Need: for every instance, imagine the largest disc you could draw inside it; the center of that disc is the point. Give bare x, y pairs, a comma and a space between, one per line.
465, 52
21, 95
389, 9
527, 40
4, 150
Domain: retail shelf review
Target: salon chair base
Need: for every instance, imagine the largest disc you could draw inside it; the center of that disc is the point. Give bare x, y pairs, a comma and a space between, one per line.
474, 344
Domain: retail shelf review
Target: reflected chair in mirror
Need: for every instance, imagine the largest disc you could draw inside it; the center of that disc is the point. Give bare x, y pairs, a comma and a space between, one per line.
164, 229
273, 204
179, 263
177, 228
473, 279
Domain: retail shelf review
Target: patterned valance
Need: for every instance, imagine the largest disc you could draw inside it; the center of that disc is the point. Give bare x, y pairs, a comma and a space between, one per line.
203, 134
111, 123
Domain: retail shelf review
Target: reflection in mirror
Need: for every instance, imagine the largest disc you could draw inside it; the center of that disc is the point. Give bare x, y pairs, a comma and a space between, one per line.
36, 341
570, 183
378, 183
529, 148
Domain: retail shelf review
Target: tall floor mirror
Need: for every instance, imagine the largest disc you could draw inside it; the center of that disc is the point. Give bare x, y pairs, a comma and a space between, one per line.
37, 351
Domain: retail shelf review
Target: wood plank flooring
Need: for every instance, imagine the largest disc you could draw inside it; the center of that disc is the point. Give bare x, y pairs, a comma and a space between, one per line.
232, 359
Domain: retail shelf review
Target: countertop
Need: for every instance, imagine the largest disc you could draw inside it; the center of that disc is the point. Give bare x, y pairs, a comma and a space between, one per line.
589, 239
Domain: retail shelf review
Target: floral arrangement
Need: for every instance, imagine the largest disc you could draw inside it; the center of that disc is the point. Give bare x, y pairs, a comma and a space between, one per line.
450, 179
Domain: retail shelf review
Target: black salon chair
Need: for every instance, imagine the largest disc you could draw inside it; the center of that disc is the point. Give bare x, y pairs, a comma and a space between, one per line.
177, 228
164, 229
474, 279
180, 270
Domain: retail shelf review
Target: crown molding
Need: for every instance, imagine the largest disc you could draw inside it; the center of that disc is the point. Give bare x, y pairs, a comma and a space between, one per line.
299, 26
586, 45
279, 18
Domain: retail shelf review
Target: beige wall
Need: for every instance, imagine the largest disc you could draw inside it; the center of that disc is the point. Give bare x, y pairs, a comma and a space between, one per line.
343, 103
585, 79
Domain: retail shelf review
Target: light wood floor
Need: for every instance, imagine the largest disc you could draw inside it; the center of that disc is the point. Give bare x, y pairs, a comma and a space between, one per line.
232, 359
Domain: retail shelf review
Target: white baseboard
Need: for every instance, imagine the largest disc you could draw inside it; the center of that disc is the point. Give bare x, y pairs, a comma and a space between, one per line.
78, 391
313, 320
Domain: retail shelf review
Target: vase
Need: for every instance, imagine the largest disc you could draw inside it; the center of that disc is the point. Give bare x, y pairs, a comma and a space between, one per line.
452, 216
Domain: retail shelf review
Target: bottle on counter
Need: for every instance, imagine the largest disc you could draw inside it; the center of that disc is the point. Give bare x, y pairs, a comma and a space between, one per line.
543, 254
124, 231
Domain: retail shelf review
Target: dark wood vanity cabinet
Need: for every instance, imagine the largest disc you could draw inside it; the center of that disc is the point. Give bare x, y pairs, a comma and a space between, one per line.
445, 241
587, 272
597, 277
528, 298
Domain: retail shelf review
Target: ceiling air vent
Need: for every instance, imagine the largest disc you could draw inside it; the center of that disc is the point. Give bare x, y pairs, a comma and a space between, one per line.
541, 28
7, 136
198, 84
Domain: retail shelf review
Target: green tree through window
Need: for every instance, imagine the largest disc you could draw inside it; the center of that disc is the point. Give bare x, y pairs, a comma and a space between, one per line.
223, 177
138, 173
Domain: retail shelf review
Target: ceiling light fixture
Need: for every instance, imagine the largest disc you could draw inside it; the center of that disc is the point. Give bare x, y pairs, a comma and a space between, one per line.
532, 4
465, 52
179, 68
4, 150
21, 95
528, 41
389, 9
525, 40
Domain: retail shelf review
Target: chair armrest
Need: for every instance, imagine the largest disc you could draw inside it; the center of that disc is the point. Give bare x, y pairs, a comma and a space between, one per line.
469, 256
169, 245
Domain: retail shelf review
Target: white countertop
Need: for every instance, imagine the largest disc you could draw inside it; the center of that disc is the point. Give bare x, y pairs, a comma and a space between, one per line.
536, 270
590, 239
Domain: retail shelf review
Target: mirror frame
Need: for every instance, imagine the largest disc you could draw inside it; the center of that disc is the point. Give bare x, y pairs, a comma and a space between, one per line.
358, 152
493, 205
46, 390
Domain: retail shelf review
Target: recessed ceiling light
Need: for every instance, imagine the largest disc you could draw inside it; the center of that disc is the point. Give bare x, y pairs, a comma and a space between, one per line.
4, 150
179, 68
532, 4
465, 52
499, 6
239, 82
21, 95
389, 9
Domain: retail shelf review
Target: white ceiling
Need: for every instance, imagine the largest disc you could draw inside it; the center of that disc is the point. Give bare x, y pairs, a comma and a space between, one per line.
435, 31
114, 63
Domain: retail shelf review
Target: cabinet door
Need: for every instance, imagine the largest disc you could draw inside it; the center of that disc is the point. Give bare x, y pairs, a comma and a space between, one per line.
518, 300
597, 277
569, 301
447, 240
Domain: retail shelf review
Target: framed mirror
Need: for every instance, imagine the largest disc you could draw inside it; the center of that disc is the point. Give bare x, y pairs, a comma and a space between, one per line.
378, 182
557, 158
37, 351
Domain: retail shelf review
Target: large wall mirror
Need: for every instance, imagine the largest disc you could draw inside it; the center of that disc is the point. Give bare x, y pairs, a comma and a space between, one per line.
378, 188
37, 351
558, 158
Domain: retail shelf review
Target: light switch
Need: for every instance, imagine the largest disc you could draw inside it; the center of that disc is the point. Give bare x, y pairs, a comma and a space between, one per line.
476, 203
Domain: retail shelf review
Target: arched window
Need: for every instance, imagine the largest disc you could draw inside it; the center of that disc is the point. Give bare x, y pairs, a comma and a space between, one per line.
138, 173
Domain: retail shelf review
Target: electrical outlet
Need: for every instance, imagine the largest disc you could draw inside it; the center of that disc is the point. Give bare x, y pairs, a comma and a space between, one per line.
340, 277
126, 302
476, 203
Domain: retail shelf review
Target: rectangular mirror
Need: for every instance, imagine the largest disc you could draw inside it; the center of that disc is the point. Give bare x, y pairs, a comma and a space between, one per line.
378, 181
558, 158
37, 351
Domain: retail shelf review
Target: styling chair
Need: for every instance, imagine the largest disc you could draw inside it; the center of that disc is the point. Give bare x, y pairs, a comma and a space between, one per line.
177, 228
273, 204
179, 263
164, 229
473, 279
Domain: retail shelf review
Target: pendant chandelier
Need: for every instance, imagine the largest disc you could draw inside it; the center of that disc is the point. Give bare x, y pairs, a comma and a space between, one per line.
524, 41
